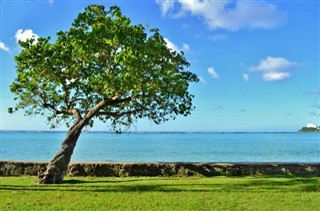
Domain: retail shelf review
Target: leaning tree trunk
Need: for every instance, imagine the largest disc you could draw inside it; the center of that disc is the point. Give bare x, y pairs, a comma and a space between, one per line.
58, 166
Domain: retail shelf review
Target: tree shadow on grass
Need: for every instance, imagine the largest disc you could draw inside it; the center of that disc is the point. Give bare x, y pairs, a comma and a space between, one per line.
79, 181
282, 183
255, 184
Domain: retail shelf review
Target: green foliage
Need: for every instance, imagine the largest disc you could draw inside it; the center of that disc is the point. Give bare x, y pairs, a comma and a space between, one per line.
162, 193
102, 67
309, 129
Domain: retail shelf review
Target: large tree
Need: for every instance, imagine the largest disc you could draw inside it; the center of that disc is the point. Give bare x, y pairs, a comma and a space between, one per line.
103, 68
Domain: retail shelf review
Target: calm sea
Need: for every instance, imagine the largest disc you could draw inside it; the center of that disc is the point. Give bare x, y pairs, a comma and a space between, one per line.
166, 147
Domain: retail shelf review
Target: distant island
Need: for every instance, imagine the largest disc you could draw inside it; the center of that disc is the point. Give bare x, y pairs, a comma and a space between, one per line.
310, 128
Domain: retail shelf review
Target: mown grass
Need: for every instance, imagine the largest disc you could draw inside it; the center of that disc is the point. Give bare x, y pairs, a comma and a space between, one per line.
162, 193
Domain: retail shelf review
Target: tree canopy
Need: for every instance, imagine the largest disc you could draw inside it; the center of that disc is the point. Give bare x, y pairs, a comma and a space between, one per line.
102, 67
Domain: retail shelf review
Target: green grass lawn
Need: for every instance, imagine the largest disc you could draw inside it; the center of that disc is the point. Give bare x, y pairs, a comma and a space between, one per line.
162, 193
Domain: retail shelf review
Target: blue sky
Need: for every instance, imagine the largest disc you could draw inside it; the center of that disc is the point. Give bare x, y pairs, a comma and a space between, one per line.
258, 61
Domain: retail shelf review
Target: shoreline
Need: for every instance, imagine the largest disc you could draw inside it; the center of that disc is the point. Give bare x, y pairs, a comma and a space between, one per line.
119, 169
151, 162
152, 132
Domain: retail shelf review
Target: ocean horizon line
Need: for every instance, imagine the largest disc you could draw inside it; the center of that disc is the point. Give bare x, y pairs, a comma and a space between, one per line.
150, 132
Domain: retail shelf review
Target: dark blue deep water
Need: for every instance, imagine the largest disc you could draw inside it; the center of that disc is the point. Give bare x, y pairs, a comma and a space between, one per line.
166, 147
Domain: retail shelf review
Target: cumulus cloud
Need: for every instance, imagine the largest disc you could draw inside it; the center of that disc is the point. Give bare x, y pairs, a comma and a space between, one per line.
246, 77
274, 64
165, 5
185, 47
311, 125
226, 14
275, 68
171, 45
4, 47
23, 35
213, 73
275, 76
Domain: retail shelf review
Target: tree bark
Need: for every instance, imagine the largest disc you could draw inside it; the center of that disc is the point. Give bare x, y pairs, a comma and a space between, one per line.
58, 166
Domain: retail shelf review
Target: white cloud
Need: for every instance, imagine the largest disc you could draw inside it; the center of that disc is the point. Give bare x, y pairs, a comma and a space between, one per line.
202, 80
246, 77
311, 125
23, 35
213, 73
165, 5
185, 47
4, 47
275, 76
226, 14
274, 64
275, 68
171, 45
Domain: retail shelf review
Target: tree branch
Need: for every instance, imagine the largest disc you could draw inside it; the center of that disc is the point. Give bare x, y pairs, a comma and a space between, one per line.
116, 100
52, 108
77, 113
74, 111
75, 100
105, 102
118, 114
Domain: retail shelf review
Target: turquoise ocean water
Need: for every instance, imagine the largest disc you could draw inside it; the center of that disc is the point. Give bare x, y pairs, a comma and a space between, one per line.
166, 147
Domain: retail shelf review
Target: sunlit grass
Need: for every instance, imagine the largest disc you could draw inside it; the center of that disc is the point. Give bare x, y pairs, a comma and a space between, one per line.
162, 193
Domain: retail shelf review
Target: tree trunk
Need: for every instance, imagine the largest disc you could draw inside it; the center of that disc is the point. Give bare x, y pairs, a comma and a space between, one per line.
58, 166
